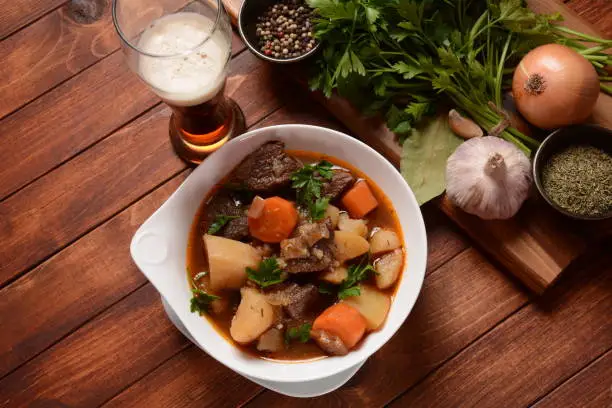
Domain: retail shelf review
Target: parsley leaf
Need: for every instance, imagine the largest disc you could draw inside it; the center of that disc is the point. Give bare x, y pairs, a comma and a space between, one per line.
200, 302
220, 222
356, 273
299, 333
267, 274
308, 181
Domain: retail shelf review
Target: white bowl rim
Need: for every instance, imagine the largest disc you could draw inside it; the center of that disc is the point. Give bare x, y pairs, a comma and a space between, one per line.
310, 370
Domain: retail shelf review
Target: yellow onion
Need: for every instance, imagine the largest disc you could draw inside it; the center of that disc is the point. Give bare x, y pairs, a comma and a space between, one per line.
554, 86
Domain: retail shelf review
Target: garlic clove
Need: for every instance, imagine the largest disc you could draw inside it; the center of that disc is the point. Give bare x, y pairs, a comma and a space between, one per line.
463, 127
488, 177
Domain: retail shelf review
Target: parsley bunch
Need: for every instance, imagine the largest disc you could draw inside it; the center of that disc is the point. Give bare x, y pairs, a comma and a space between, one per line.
403, 57
308, 181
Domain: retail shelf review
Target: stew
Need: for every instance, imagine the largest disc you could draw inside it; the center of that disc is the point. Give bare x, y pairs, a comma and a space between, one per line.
295, 255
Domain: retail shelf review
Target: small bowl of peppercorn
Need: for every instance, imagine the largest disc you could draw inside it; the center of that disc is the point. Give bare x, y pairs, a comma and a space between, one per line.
279, 31
572, 170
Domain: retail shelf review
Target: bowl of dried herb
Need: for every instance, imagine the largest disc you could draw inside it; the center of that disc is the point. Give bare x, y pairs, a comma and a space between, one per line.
572, 170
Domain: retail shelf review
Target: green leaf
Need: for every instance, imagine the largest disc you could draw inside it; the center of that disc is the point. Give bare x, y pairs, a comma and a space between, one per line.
372, 14
299, 333
200, 301
409, 71
449, 60
267, 274
308, 182
333, 9
356, 274
424, 156
220, 222
318, 208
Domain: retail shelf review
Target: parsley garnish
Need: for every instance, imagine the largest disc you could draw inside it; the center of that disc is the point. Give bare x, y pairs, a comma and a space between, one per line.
267, 274
356, 274
200, 302
299, 333
308, 182
219, 222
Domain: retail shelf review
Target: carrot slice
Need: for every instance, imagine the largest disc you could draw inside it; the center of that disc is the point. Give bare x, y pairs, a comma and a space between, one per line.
359, 200
275, 221
343, 321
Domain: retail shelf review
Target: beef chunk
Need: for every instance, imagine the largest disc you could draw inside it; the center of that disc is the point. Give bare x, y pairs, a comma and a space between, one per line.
272, 341
296, 300
321, 258
267, 168
341, 180
305, 236
226, 203
329, 343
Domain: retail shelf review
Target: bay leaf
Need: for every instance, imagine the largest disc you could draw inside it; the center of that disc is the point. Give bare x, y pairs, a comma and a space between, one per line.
424, 156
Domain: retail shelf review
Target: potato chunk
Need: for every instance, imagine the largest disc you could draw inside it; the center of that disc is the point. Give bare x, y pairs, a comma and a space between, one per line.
384, 241
358, 227
253, 317
349, 245
372, 304
333, 213
227, 260
388, 268
335, 276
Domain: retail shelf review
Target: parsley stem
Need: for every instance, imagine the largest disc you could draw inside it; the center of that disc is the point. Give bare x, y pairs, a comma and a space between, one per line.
592, 50
607, 89
582, 35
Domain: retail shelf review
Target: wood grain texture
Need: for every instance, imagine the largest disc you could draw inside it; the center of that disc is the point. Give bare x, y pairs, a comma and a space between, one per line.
533, 351
56, 47
597, 12
98, 360
49, 51
73, 116
590, 388
59, 207
190, 379
458, 303
16, 14
99, 272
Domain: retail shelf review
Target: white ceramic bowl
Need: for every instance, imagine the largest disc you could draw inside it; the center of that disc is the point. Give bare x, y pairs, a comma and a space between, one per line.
159, 247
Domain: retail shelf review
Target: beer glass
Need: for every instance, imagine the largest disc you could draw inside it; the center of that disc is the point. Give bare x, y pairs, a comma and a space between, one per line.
181, 50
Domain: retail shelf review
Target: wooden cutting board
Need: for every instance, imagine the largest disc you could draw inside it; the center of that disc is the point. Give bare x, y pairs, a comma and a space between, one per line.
537, 244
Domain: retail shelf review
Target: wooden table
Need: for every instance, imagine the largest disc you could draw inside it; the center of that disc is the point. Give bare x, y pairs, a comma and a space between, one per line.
85, 159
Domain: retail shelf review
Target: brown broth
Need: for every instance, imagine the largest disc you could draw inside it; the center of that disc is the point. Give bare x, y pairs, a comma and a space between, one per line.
384, 216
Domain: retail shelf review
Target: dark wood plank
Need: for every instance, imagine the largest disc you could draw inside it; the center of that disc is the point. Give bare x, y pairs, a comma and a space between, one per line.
17, 14
73, 116
190, 379
590, 388
596, 12
102, 357
55, 48
48, 214
90, 275
529, 354
458, 303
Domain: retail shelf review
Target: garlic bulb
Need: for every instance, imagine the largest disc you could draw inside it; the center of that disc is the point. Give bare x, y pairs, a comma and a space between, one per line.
488, 177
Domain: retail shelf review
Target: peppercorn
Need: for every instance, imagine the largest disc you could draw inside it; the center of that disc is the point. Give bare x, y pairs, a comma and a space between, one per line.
284, 30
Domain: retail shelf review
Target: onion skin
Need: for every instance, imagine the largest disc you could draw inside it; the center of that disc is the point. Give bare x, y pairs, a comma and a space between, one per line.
554, 86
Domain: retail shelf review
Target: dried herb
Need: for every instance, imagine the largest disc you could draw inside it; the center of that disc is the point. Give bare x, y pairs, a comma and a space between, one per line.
579, 180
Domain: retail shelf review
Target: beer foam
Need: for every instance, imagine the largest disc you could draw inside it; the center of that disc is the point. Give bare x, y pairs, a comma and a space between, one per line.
189, 79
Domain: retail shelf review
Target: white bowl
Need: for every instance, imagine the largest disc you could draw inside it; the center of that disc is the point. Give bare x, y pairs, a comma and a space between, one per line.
159, 248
